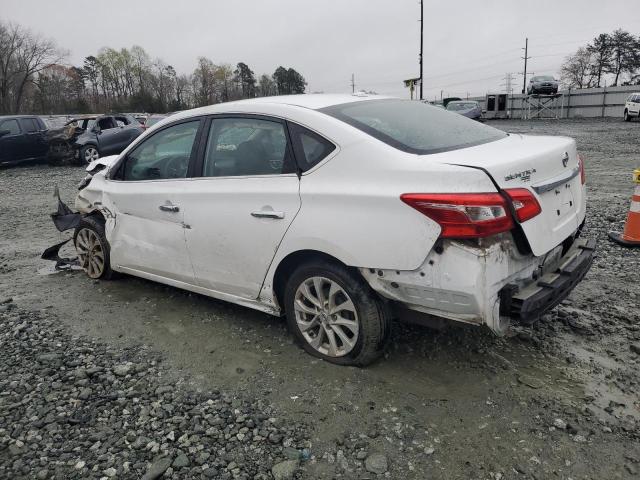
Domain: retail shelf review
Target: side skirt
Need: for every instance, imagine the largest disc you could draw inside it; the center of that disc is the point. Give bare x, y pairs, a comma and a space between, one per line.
255, 304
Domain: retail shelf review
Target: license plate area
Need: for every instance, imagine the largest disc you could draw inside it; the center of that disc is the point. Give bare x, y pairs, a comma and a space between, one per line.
558, 202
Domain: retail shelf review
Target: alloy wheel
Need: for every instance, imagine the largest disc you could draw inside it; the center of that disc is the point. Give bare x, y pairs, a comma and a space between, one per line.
91, 154
90, 252
326, 316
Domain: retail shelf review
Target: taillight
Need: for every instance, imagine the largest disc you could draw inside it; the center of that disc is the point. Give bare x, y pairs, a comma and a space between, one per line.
524, 203
463, 215
583, 176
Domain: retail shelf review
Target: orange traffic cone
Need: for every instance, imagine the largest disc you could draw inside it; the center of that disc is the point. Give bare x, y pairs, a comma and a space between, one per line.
631, 235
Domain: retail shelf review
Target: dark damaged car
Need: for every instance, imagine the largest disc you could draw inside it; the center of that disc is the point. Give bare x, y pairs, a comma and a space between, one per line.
86, 138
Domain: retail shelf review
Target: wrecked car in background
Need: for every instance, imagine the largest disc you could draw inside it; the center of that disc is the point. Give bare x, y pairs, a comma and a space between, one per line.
86, 138
342, 212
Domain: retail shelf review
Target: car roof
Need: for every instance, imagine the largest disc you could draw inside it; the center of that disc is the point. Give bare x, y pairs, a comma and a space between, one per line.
4, 117
314, 101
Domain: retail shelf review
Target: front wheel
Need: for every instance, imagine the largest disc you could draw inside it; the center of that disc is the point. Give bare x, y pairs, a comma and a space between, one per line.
627, 118
335, 315
92, 248
89, 153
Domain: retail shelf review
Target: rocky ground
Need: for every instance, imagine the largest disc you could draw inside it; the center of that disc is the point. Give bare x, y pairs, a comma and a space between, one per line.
130, 379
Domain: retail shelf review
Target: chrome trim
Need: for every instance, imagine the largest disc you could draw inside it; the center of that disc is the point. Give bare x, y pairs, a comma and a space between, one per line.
557, 181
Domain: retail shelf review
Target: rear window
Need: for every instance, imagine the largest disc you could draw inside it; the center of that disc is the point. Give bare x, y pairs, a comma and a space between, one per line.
414, 127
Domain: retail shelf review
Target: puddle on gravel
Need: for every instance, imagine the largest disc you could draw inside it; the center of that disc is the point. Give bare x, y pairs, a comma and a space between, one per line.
609, 402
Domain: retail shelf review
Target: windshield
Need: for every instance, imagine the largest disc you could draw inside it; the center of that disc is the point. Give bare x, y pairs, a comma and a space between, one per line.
544, 78
153, 120
413, 126
461, 106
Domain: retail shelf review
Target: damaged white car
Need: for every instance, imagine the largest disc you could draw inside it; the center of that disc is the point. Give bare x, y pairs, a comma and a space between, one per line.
342, 212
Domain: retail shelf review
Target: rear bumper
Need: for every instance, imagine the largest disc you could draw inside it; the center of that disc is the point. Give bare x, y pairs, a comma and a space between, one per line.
528, 304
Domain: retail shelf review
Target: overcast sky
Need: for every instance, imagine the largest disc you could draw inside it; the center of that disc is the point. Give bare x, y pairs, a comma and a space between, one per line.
469, 44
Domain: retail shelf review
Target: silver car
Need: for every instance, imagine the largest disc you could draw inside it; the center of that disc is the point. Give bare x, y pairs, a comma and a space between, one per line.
468, 108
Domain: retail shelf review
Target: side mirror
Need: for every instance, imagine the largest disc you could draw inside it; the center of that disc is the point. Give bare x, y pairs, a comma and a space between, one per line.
4, 132
96, 129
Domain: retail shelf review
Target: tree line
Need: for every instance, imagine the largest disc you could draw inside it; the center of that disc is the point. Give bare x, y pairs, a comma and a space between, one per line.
609, 59
34, 78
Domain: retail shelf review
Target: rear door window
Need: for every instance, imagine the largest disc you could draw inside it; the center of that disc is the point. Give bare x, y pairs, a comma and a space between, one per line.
29, 125
414, 127
239, 146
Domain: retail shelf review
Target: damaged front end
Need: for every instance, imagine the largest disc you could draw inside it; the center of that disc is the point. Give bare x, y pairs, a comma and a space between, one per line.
64, 218
62, 144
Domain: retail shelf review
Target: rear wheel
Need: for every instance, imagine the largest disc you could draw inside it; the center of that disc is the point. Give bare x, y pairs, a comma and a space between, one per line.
335, 315
92, 248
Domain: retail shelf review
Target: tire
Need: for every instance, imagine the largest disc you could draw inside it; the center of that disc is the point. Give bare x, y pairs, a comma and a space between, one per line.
369, 319
88, 153
93, 248
627, 117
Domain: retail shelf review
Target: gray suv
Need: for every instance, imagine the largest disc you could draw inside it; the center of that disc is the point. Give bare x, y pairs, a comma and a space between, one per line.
542, 85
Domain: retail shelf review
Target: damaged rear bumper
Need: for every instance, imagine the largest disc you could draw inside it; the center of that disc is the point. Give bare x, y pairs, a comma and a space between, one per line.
528, 304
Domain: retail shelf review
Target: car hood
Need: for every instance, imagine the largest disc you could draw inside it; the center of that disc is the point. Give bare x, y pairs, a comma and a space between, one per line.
103, 161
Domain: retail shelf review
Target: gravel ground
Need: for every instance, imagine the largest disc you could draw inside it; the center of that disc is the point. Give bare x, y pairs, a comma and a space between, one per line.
130, 379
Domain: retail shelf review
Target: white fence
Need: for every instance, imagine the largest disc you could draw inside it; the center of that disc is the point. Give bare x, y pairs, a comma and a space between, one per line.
586, 102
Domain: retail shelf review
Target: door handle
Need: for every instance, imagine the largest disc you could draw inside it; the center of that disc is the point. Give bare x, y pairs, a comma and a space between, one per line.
268, 214
169, 208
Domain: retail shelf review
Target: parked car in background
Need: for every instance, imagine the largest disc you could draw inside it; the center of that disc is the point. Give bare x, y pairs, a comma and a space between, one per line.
342, 212
23, 138
632, 107
542, 85
467, 108
104, 135
87, 137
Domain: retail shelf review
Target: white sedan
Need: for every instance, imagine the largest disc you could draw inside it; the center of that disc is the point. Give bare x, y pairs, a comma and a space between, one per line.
344, 213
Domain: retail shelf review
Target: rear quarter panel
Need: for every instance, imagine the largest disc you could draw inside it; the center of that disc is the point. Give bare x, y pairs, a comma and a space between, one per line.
351, 207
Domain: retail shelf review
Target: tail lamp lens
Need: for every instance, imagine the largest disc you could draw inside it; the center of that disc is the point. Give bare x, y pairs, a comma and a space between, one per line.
524, 203
474, 215
463, 215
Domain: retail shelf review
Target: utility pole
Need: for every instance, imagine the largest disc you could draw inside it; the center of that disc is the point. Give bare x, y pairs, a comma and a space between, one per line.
526, 57
421, 41
353, 83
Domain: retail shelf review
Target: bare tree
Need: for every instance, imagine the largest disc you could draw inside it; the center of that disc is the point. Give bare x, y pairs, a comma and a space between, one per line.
576, 71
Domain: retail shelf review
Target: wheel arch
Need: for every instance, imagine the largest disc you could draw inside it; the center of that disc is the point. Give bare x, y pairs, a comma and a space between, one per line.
293, 260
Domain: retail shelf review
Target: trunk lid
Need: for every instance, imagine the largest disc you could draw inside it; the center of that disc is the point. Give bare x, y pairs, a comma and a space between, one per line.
548, 166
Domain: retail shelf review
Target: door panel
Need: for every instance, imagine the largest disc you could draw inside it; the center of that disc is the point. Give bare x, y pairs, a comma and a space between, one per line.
108, 141
235, 227
147, 237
